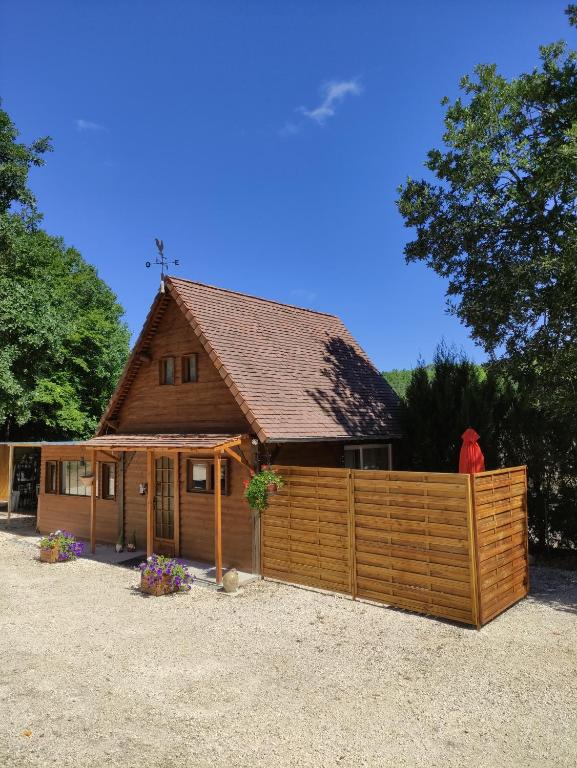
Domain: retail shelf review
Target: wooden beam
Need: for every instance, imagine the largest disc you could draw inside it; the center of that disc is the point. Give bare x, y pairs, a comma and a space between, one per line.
238, 458
229, 444
149, 503
109, 456
120, 496
93, 501
10, 483
176, 521
217, 517
473, 546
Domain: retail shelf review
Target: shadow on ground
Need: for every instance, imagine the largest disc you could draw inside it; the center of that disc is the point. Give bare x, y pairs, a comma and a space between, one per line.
555, 588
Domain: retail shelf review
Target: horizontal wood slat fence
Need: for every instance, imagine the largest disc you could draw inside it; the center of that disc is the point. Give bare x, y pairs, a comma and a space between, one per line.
443, 544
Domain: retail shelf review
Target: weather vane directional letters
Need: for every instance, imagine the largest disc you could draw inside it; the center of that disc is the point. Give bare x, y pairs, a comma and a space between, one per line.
161, 260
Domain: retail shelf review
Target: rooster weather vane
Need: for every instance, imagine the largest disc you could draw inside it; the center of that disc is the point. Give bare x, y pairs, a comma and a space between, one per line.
162, 261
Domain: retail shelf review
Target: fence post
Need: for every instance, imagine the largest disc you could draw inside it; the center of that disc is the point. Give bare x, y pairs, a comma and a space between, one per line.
473, 552
526, 529
352, 539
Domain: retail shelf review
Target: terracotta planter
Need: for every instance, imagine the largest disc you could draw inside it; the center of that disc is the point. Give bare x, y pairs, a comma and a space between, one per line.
49, 555
162, 587
271, 488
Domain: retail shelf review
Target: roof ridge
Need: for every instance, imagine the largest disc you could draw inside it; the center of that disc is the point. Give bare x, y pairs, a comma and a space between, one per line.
252, 296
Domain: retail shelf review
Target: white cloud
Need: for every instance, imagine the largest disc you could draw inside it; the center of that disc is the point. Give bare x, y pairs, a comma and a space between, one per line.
333, 93
87, 125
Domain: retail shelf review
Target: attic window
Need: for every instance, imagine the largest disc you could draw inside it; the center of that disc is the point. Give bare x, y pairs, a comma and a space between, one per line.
189, 368
167, 370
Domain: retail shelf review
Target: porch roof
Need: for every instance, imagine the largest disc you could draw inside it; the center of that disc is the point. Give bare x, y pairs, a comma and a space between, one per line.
175, 441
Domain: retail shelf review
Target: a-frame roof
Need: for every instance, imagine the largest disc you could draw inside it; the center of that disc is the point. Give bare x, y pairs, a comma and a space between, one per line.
295, 373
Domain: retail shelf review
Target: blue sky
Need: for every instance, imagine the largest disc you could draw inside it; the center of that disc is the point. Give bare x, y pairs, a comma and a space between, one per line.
263, 141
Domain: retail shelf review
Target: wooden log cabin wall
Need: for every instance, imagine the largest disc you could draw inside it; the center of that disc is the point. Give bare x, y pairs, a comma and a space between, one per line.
58, 510
203, 405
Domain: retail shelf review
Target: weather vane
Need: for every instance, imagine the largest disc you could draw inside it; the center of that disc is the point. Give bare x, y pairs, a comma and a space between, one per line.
161, 261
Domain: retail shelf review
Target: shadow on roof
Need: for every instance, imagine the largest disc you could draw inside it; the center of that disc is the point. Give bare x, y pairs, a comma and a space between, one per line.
356, 396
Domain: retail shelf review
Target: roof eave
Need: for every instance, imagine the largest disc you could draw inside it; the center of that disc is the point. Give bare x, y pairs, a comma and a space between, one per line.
331, 438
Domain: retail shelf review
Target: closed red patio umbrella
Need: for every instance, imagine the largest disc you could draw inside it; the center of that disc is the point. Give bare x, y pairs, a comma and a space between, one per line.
471, 458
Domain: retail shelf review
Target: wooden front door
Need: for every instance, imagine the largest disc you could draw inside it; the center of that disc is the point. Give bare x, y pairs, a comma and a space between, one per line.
164, 506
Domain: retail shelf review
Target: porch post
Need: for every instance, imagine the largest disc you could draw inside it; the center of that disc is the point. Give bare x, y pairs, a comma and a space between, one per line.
217, 517
149, 503
93, 501
176, 494
10, 483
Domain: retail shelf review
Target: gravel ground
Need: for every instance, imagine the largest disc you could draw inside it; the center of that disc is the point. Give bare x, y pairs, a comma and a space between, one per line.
94, 674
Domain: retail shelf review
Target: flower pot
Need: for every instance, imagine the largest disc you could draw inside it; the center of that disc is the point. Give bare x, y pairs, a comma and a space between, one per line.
49, 555
271, 488
130, 548
230, 580
157, 588
86, 480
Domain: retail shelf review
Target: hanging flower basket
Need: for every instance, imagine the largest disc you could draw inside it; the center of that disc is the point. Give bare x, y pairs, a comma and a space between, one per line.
86, 480
261, 486
163, 575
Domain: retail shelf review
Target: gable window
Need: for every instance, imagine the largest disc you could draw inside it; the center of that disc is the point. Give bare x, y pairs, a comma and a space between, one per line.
70, 474
167, 370
369, 456
108, 480
51, 481
200, 476
189, 368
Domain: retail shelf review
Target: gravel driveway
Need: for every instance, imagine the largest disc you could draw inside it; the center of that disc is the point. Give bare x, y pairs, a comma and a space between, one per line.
276, 676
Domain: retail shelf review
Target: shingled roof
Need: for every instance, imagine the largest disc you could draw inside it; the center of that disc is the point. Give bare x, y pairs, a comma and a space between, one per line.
297, 374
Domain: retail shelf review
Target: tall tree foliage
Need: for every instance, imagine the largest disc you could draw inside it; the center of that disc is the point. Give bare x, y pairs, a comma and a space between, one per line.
498, 220
441, 401
62, 339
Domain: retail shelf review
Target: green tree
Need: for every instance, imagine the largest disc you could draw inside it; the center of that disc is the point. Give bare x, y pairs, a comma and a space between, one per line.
441, 401
16, 159
498, 220
400, 378
62, 339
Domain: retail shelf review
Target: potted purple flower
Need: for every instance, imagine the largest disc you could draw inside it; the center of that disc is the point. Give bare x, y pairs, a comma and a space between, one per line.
161, 575
58, 547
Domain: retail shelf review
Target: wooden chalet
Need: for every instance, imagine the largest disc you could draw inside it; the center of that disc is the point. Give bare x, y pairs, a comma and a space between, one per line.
217, 384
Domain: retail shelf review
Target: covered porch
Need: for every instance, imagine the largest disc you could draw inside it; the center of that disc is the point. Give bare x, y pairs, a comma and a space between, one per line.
161, 487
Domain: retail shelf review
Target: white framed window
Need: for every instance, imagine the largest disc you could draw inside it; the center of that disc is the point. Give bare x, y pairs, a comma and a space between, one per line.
377, 456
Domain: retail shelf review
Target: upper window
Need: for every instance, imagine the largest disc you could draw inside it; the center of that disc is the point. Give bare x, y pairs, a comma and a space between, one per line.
108, 480
189, 368
200, 476
368, 456
51, 481
71, 473
167, 370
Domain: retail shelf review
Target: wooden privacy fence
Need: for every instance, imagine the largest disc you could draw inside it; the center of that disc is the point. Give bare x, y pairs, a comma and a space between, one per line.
448, 545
